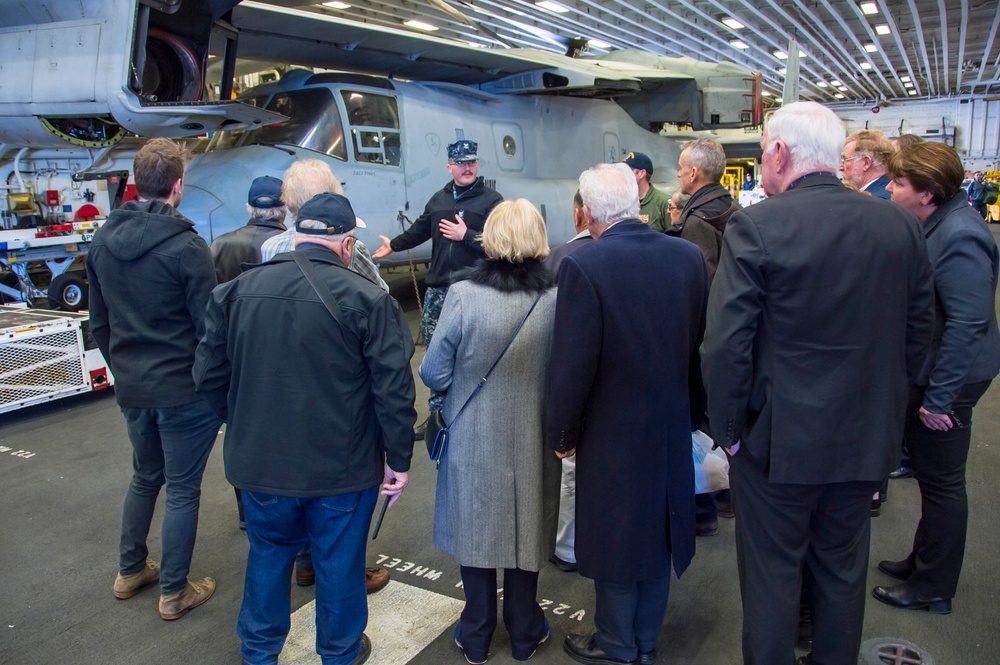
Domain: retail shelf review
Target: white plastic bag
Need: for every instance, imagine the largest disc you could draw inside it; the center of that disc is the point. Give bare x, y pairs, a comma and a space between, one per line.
711, 467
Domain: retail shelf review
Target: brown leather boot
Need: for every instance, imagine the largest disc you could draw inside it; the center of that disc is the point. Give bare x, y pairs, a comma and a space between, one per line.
127, 586
376, 579
194, 594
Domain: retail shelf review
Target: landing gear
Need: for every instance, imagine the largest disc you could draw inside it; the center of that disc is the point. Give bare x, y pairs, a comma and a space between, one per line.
68, 292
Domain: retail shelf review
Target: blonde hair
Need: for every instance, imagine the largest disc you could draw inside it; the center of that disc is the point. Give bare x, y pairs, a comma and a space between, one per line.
305, 179
515, 231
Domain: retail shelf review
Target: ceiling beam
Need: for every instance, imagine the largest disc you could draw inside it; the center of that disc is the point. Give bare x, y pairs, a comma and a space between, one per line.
928, 76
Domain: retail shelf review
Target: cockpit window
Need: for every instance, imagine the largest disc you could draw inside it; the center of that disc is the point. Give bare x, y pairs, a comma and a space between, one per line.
374, 121
313, 123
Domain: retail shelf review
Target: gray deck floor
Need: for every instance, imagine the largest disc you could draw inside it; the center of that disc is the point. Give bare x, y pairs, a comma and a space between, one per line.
59, 521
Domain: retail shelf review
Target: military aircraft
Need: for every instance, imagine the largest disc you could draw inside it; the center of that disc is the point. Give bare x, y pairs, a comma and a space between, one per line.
84, 71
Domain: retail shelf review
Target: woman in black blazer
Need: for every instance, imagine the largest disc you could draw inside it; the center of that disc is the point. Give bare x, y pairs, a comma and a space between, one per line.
963, 359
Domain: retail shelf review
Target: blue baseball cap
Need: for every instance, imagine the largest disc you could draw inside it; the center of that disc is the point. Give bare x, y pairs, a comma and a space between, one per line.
333, 210
639, 161
265, 192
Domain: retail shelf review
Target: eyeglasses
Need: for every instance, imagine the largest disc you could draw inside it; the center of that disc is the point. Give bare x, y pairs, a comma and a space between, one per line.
849, 159
671, 206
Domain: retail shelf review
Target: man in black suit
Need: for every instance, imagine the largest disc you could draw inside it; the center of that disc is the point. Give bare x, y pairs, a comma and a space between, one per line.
627, 349
820, 316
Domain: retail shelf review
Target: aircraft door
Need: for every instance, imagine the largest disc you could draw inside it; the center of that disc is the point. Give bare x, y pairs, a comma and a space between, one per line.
374, 182
508, 142
612, 153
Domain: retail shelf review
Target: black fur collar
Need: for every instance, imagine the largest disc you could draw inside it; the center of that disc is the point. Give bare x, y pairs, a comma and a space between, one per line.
530, 275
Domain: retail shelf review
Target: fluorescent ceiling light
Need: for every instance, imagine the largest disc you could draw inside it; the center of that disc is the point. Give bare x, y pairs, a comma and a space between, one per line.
838, 96
336, 4
420, 25
837, 84
780, 55
783, 70
904, 79
735, 43
730, 22
821, 84
552, 6
869, 8
597, 43
864, 65
913, 93
882, 29
765, 93
871, 48
908, 85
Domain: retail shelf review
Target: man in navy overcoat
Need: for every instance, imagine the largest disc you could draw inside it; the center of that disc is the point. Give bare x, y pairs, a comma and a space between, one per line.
623, 385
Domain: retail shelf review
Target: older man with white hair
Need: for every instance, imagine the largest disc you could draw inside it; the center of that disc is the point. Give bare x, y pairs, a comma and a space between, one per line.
819, 318
626, 348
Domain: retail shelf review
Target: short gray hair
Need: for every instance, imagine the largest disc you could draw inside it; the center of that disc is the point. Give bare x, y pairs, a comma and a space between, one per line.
815, 136
316, 224
682, 198
610, 192
708, 156
267, 214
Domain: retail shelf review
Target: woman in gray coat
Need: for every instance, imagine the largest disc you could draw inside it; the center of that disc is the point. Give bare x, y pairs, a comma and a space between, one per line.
498, 487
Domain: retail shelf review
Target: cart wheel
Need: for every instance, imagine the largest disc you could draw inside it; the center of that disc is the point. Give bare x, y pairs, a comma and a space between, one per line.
68, 292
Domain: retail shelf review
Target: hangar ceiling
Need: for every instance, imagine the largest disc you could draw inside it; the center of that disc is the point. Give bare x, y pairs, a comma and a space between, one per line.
855, 50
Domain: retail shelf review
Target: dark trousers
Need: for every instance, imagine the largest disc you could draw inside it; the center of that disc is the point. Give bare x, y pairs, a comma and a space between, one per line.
522, 615
628, 615
787, 535
938, 460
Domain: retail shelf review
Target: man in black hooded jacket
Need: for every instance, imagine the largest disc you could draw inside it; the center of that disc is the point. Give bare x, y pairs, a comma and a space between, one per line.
151, 275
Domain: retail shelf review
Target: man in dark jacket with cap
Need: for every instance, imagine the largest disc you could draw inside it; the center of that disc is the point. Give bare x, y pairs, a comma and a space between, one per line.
267, 215
311, 463
453, 221
150, 277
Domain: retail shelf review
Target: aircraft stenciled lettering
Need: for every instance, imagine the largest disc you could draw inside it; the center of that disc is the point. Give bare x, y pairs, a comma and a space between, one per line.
365, 172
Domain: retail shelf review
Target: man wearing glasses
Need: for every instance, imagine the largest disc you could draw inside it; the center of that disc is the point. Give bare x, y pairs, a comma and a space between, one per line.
863, 162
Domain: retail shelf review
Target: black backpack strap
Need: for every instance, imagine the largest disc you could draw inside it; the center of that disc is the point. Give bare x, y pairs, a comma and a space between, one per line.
324, 293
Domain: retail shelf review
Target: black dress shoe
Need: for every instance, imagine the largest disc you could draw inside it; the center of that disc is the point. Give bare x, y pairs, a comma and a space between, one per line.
565, 566
647, 657
876, 508
584, 649
901, 472
901, 570
906, 597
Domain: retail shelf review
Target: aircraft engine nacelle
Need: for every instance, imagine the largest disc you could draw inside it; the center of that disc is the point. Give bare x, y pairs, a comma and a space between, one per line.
87, 72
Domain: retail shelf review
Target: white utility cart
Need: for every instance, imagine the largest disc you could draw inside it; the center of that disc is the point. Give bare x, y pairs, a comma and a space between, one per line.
45, 355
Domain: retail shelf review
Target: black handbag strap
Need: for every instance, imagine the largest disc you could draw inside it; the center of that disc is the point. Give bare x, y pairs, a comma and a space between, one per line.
482, 381
324, 293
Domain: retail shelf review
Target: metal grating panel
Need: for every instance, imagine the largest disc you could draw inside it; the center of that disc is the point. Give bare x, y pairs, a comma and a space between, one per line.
40, 366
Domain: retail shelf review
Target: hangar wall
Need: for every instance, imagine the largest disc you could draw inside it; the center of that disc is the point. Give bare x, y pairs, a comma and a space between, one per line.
970, 124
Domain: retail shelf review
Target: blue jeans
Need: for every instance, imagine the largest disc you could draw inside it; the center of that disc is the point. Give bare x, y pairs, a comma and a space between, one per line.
278, 527
169, 445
